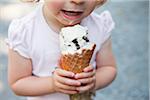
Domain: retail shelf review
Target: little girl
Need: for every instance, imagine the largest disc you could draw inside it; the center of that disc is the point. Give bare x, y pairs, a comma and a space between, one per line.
34, 50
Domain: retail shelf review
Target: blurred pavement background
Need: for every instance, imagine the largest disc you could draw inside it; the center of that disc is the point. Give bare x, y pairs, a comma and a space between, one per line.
130, 46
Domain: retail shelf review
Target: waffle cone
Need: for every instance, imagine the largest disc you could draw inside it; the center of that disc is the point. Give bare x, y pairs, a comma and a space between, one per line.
78, 61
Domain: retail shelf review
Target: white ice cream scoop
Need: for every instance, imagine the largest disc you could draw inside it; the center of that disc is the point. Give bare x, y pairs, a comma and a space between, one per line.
74, 38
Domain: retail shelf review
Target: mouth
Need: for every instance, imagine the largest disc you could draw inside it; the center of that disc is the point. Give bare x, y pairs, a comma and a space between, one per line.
71, 15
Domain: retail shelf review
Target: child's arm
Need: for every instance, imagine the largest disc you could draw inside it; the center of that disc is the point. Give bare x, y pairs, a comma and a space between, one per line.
23, 83
105, 71
106, 66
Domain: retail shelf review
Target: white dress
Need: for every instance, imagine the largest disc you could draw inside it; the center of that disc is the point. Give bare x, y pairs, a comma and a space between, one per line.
32, 38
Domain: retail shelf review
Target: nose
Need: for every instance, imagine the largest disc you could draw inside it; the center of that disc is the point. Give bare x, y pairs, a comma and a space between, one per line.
78, 1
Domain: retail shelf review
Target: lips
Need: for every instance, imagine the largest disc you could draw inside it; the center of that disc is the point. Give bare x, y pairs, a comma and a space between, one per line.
71, 14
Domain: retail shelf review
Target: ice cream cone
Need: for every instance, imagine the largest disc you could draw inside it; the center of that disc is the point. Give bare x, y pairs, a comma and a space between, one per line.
77, 62
76, 53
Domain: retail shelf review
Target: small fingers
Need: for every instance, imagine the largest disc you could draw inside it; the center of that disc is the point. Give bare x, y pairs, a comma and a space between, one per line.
67, 81
65, 87
89, 68
85, 88
67, 91
84, 74
65, 73
87, 80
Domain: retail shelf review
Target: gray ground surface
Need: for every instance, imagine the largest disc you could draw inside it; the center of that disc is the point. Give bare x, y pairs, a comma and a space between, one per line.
130, 46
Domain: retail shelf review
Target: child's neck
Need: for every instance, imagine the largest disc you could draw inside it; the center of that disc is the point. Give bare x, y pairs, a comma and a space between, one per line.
51, 21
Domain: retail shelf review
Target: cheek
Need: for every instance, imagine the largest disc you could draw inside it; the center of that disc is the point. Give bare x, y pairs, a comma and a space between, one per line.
91, 4
55, 5
90, 8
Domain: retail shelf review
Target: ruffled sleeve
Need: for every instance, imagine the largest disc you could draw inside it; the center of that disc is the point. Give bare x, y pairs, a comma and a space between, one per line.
107, 25
17, 38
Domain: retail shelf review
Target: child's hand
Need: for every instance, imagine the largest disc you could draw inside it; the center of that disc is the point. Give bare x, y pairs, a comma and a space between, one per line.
87, 79
64, 81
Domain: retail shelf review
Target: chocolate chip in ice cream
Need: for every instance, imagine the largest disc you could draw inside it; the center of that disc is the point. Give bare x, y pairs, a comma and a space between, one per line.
85, 38
76, 43
74, 39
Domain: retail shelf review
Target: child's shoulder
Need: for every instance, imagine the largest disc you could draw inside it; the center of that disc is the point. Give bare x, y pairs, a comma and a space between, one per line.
25, 21
101, 24
29, 17
102, 21
101, 17
22, 25
20, 32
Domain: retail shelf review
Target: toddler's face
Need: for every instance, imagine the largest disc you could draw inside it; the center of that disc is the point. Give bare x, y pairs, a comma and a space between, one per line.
69, 12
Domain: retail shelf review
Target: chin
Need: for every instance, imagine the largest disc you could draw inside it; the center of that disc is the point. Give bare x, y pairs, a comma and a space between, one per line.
66, 22
71, 23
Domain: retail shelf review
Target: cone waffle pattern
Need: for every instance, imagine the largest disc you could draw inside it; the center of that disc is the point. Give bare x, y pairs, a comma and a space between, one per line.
76, 62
